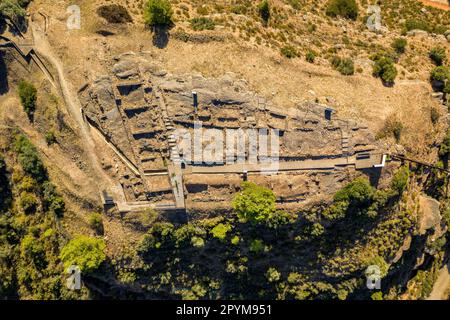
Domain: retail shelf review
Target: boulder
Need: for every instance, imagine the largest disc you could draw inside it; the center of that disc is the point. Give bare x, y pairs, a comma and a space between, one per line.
125, 69
430, 216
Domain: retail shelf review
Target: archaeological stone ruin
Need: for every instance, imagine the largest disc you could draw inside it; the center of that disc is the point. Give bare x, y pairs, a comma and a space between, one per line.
139, 110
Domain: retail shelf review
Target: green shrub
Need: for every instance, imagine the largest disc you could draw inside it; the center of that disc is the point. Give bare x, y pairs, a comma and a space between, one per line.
344, 65
28, 202
384, 68
377, 295
392, 127
397, 130
11, 9
343, 8
254, 203
257, 246
438, 55
220, 231
50, 137
316, 230
158, 12
440, 73
52, 200
273, 275
359, 192
28, 97
289, 52
264, 10
96, 222
310, 56
202, 23
399, 45
85, 252
277, 219
32, 250
412, 24
400, 180
355, 197
381, 264
157, 235
114, 13
29, 158
197, 242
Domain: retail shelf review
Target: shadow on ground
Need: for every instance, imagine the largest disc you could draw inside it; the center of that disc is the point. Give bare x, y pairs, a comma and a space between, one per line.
161, 36
4, 87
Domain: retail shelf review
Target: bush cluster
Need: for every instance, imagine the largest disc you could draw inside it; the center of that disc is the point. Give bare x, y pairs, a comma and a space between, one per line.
344, 65
344, 8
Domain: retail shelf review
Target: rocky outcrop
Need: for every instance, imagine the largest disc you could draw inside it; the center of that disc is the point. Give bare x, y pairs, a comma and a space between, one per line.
430, 217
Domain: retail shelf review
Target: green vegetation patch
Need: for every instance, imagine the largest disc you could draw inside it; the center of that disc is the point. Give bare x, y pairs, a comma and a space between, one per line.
158, 12
28, 97
345, 66
202, 23
343, 8
85, 252
384, 68
254, 203
114, 13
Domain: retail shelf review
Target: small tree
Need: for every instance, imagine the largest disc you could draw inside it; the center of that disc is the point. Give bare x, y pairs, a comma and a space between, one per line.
254, 203
264, 10
28, 97
85, 252
158, 12
385, 69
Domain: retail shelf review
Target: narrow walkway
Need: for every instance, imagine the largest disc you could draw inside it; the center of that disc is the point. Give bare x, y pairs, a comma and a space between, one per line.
73, 105
175, 172
310, 164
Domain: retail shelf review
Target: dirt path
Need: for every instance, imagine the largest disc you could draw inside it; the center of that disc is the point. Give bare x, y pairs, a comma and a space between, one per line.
42, 46
441, 285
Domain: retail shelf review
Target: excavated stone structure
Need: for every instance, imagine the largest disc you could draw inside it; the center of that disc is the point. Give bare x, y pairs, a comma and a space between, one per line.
139, 108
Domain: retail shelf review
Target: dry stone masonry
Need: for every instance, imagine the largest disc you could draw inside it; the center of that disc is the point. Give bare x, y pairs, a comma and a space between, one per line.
138, 107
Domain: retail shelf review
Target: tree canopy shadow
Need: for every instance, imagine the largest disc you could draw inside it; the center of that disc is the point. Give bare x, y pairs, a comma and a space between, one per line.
161, 36
4, 86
